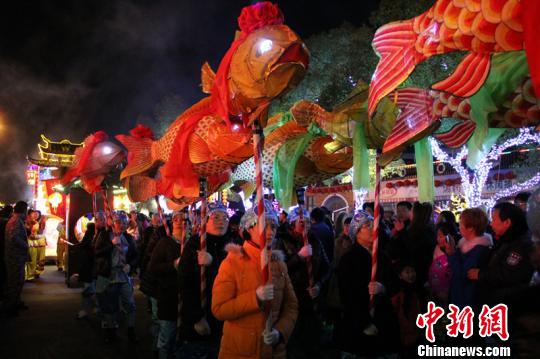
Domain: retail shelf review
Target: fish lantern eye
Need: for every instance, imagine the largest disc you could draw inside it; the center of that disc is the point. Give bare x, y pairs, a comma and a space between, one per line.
264, 46
107, 150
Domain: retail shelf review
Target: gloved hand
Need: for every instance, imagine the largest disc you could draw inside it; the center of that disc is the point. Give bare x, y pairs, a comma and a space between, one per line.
305, 251
375, 288
371, 330
271, 338
202, 327
204, 258
314, 291
265, 292
126, 268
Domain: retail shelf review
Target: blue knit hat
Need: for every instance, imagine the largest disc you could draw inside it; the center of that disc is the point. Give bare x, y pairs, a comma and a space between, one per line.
358, 220
250, 218
295, 214
214, 207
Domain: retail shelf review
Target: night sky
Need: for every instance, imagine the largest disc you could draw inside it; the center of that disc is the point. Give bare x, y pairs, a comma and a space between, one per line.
69, 68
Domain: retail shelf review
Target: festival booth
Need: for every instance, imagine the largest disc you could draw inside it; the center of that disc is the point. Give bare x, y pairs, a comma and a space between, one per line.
48, 195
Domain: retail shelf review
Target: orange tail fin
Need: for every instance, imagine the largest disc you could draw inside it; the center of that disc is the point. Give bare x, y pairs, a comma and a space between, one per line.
458, 135
468, 77
139, 156
140, 188
394, 43
415, 120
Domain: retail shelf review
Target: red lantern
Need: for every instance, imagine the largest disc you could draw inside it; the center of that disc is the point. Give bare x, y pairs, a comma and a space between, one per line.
437, 183
407, 183
510, 175
414, 183
389, 185
449, 182
399, 183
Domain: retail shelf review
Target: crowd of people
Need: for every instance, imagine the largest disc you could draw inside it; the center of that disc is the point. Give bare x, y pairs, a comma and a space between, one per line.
321, 293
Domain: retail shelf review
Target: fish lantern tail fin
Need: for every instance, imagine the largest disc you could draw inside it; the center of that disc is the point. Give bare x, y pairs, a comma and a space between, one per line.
139, 146
395, 45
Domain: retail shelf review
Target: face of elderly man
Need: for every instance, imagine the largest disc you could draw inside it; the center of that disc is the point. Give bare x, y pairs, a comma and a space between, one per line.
217, 223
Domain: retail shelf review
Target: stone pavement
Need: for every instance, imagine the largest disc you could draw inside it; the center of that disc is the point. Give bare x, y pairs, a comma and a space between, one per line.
49, 328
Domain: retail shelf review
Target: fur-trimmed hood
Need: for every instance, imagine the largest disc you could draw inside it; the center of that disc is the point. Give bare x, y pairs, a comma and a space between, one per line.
238, 250
483, 240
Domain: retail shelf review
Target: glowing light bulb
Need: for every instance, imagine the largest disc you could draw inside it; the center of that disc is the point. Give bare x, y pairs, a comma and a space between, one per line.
107, 150
265, 46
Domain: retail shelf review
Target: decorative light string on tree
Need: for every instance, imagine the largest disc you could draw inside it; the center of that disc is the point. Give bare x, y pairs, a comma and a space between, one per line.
359, 197
473, 186
516, 188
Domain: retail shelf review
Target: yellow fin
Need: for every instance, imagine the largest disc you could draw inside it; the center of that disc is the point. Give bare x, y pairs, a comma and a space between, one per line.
306, 112
283, 133
207, 78
198, 150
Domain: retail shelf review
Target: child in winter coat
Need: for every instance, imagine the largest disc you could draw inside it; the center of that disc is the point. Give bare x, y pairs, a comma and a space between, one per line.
407, 308
439, 272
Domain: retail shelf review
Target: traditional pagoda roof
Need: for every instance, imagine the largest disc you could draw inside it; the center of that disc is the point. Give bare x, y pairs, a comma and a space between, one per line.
55, 154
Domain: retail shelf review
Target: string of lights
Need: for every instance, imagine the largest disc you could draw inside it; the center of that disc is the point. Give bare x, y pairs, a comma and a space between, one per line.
472, 187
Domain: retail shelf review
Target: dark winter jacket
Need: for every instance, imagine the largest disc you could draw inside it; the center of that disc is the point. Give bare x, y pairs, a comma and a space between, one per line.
86, 255
290, 244
161, 266
190, 284
415, 245
326, 236
149, 285
354, 275
142, 246
103, 248
16, 246
508, 268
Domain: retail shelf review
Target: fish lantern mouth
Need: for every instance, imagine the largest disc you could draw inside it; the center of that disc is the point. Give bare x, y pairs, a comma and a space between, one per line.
288, 70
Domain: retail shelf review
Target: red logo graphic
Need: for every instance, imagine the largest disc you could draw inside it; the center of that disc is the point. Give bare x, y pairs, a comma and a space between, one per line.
429, 319
494, 321
460, 322
491, 321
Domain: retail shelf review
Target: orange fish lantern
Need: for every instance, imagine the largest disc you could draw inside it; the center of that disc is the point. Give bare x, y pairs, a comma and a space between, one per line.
481, 27
507, 99
93, 161
266, 60
296, 153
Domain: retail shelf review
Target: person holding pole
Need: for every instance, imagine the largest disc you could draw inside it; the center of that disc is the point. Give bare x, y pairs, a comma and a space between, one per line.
197, 323
366, 329
308, 267
240, 295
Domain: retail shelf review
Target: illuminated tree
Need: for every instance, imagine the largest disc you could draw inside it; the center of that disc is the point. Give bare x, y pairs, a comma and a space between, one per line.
473, 182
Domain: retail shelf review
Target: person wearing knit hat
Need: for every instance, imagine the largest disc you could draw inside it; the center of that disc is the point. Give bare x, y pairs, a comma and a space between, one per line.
239, 296
297, 254
197, 324
362, 219
251, 217
361, 333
